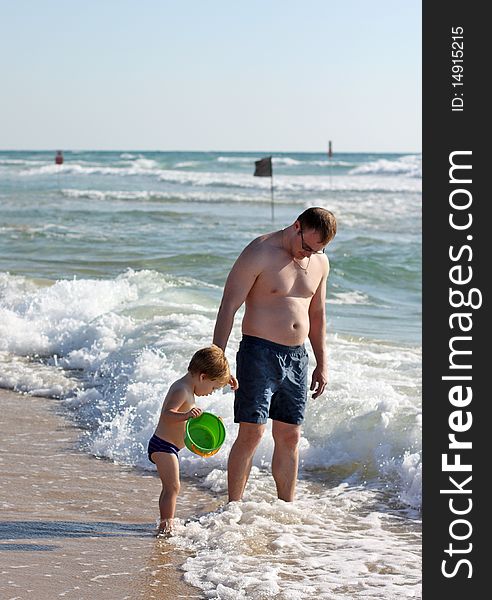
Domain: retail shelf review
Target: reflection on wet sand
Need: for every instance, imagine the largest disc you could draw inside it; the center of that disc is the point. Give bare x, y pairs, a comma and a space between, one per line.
75, 526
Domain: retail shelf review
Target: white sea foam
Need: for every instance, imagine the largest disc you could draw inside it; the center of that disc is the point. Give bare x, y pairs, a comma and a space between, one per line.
286, 161
235, 159
23, 375
353, 297
276, 160
410, 166
137, 167
20, 161
292, 183
192, 195
329, 544
187, 164
132, 336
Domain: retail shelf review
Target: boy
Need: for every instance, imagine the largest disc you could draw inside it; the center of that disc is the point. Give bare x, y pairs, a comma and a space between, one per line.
208, 371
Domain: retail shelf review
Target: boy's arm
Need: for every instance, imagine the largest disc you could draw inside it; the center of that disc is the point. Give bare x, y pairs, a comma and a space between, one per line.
239, 282
175, 400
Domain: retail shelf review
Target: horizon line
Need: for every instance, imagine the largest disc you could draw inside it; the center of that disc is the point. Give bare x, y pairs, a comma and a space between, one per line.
55, 149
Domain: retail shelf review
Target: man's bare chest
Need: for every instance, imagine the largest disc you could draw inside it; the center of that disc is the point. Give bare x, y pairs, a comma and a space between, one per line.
290, 281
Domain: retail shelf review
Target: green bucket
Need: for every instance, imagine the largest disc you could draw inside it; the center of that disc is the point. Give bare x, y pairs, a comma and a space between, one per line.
205, 434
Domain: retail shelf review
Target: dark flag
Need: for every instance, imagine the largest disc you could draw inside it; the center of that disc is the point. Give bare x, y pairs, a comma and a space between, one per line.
263, 167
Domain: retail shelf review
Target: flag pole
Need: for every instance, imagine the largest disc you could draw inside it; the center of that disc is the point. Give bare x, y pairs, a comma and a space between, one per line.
330, 154
271, 189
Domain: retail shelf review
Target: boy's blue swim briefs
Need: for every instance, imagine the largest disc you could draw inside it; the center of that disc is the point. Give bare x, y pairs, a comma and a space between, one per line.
157, 444
272, 382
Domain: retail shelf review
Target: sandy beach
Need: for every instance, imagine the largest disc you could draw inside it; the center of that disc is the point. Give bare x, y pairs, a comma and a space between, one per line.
74, 526
112, 267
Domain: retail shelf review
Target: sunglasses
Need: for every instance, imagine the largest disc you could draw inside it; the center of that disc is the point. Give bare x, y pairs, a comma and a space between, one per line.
307, 248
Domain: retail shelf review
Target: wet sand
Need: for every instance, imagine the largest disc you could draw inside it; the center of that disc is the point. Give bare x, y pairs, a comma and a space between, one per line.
76, 527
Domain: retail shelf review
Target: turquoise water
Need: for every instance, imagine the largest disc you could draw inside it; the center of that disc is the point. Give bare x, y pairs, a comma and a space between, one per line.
190, 214
111, 272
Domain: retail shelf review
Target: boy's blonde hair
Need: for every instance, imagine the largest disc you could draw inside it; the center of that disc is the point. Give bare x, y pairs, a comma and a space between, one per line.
211, 361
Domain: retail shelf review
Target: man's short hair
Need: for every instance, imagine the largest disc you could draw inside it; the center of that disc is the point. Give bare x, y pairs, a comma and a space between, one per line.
211, 361
321, 220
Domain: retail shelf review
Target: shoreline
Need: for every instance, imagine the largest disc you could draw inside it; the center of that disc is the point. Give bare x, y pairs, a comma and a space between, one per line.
76, 526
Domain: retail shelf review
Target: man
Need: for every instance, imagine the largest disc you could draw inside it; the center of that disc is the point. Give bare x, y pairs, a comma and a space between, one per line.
281, 276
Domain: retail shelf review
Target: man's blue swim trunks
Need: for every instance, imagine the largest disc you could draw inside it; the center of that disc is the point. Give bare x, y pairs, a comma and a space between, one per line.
156, 444
272, 382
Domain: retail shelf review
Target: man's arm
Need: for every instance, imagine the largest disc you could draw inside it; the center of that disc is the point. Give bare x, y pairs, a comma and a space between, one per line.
317, 335
239, 282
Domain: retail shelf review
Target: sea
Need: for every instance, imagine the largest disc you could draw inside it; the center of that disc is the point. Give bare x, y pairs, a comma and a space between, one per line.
112, 267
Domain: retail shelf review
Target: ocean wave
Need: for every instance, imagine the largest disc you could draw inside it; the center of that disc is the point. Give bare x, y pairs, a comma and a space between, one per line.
383, 175
130, 337
276, 160
329, 544
137, 167
235, 159
286, 161
410, 166
187, 164
356, 179
375, 208
330, 163
159, 196
289, 183
352, 297
20, 162
145, 164
24, 375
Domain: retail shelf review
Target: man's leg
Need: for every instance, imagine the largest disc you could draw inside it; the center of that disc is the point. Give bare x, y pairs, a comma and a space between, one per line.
241, 458
285, 458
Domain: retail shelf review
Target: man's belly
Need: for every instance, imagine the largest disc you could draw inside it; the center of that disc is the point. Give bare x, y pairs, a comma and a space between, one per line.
286, 323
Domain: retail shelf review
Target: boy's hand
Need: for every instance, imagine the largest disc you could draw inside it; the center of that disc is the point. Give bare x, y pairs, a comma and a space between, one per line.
194, 412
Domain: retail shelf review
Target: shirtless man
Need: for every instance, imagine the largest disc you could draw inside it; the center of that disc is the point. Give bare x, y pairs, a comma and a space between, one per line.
281, 277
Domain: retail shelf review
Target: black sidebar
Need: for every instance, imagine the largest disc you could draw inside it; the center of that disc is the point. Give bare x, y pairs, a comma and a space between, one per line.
457, 238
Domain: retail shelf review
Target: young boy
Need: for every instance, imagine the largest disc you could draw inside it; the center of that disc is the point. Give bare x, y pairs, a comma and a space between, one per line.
208, 371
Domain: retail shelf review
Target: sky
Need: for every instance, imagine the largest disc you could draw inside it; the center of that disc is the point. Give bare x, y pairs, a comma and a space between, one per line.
271, 75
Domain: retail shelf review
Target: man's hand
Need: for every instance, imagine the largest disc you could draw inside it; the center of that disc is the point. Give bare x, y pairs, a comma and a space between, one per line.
318, 382
233, 383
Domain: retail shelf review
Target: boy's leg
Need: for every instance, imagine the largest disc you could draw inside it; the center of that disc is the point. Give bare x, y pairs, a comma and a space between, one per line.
168, 469
241, 458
